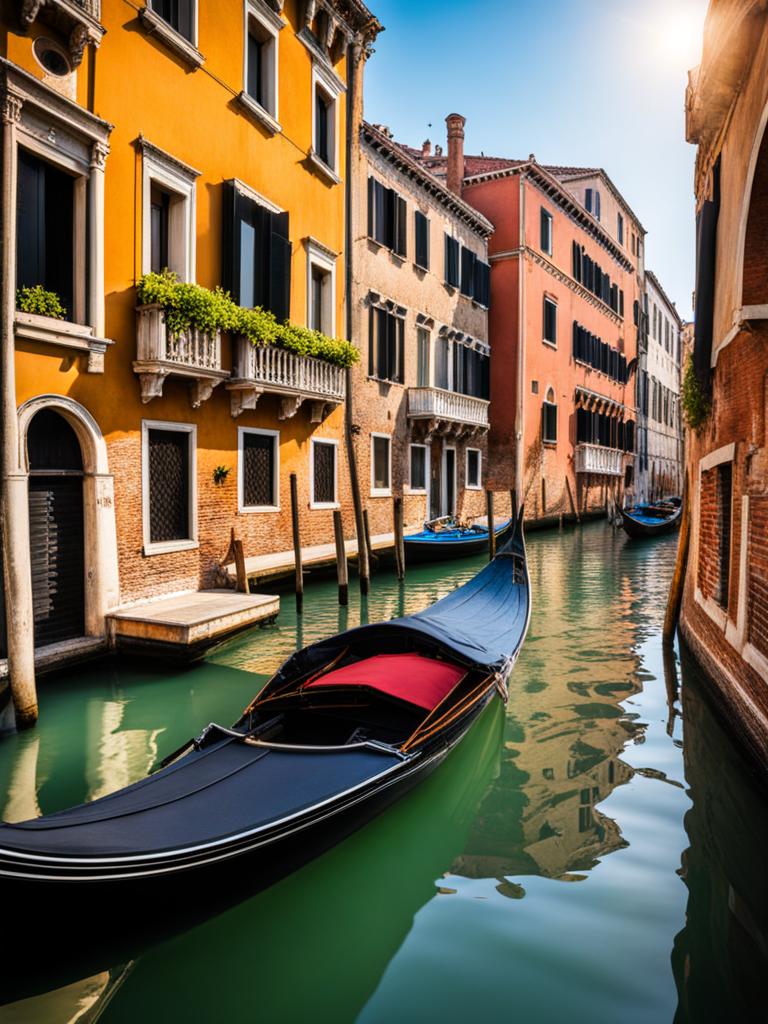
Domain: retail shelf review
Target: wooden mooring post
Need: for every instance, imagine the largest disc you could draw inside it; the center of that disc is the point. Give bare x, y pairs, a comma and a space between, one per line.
373, 560
491, 530
297, 544
574, 509
342, 572
678, 579
397, 515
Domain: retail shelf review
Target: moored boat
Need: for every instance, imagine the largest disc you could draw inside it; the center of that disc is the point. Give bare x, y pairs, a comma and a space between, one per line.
651, 519
344, 727
445, 538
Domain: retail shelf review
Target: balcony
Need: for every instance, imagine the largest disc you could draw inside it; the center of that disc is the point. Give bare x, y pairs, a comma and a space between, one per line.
593, 458
195, 356
296, 379
79, 21
447, 412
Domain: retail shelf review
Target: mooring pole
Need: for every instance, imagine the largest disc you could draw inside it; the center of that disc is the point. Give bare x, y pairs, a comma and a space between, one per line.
372, 559
341, 557
491, 530
397, 511
297, 544
513, 504
678, 578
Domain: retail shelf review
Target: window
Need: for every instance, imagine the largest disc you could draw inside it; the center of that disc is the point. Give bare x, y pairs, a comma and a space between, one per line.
592, 202
452, 261
381, 465
589, 349
387, 212
418, 468
323, 473
549, 418
468, 259
590, 274
262, 26
386, 336
168, 219
321, 287
169, 504
442, 364
620, 228
421, 226
256, 251
534, 387
550, 321
422, 357
259, 470
325, 111
482, 291
546, 231
474, 461
471, 373
45, 229
179, 14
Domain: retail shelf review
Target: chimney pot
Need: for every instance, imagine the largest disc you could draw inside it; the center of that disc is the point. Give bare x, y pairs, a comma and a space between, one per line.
455, 170
426, 149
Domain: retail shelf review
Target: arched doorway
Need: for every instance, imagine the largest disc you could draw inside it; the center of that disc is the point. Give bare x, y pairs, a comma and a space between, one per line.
56, 528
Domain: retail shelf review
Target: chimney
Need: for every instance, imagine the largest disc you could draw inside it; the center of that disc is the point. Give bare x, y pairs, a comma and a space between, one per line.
426, 149
455, 124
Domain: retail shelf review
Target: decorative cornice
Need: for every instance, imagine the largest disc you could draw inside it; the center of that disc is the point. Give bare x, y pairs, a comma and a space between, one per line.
670, 304
20, 87
11, 108
311, 243
99, 154
145, 146
379, 301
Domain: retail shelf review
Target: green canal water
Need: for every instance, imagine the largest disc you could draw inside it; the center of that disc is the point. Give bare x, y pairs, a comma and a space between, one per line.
593, 853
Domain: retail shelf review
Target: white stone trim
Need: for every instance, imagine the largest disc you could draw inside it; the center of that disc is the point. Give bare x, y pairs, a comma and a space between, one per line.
174, 176
323, 504
381, 492
746, 202
177, 43
319, 255
257, 197
272, 24
275, 435
328, 83
718, 615
187, 543
479, 485
444, 503
725, 454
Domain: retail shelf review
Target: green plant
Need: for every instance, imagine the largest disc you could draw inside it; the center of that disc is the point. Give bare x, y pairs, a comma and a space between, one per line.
694, 400
220, 474
191, 305
37, 300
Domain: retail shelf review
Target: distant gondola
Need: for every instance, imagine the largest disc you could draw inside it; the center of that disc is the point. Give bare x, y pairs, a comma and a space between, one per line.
345, 727
444, 538
650, 520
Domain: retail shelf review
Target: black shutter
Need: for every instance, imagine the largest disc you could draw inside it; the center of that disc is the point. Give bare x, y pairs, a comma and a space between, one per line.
482, 283
371, 221
421, 224
389, 217
621, 302
372, 341
400, 372
279, 266
401, 229
381, 344
451, 261
467, 271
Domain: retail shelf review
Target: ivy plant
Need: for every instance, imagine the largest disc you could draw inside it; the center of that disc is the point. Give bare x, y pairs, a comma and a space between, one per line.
39, 301
693, 398
191, 305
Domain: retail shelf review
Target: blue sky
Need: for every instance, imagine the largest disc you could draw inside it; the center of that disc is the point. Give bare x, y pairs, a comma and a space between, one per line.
587, 82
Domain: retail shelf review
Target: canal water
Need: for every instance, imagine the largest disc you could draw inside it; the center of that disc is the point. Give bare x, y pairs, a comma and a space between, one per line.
593, 853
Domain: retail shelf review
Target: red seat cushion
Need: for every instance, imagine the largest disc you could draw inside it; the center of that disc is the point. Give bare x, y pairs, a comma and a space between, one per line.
411, 677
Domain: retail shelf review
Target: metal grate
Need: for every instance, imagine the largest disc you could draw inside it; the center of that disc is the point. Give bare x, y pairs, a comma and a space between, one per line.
168, 485
259, 470
324, 473
56, 549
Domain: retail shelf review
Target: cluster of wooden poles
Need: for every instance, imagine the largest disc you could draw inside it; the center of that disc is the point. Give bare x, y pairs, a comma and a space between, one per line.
342, 568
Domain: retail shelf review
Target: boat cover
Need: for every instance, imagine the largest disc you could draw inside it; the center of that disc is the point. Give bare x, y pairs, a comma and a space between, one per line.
208, 795
457, 535
412, 677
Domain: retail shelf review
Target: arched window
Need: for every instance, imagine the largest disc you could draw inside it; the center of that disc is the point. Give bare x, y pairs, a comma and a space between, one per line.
549, 418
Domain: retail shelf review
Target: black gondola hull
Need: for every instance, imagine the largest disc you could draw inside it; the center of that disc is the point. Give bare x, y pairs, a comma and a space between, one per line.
419, 551
637, 529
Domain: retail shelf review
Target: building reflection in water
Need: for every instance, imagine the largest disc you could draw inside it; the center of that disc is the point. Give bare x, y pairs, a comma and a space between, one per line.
720, 958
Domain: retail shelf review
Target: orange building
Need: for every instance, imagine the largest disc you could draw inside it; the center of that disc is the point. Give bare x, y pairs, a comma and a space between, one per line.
565, 314
210, 139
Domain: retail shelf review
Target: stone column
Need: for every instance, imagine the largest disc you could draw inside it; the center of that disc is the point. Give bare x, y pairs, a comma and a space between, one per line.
96, 316
13, 483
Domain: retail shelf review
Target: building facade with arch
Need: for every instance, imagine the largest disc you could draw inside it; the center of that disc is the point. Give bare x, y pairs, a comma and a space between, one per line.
724, 615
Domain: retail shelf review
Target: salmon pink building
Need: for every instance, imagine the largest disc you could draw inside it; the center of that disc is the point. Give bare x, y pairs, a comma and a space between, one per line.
564, 323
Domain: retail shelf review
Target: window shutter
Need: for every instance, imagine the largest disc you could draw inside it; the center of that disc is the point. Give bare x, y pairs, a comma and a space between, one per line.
401, 230
597, 205
381, 344
379, 212
279, 266
371, 207
451, 261
468, 259
588, 200
372, 341
400, 373
230, 243
421, 224
391, 350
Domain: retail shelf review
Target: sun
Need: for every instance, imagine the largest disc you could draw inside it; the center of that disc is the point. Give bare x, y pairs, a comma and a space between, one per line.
679, 32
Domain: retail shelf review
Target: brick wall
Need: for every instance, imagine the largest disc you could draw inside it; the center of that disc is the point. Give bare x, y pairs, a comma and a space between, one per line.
714, 531
757, 624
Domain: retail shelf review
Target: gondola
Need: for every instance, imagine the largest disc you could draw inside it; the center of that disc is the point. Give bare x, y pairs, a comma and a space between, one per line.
651, 519
445, 538
342, 729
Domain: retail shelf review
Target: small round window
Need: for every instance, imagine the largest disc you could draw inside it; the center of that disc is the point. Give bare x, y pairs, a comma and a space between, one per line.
51, 57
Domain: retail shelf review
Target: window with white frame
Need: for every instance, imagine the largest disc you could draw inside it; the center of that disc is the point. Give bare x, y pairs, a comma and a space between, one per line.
549, 418
258, 470
549, 332
381, 465
474, 469
443, 363
323, 473
168, 213
181, 15
169, 504
325, 115
419, 468
321, 288
260, 72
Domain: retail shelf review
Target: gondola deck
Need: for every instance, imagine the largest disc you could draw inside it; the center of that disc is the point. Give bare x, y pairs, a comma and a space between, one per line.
459, 542
651, 520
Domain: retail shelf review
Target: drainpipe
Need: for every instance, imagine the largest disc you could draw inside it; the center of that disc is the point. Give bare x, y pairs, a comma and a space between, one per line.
17, 576
520, 415
354, 57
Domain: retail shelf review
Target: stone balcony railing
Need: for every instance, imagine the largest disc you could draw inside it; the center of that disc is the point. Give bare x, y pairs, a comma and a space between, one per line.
447, 412
593, 458
269, 370
194, 355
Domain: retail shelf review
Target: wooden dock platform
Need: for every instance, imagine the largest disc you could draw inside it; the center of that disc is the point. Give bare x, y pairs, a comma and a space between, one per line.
185, 626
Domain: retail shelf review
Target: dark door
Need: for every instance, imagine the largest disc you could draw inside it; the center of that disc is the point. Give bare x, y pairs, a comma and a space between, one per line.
450, 482
56, 529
